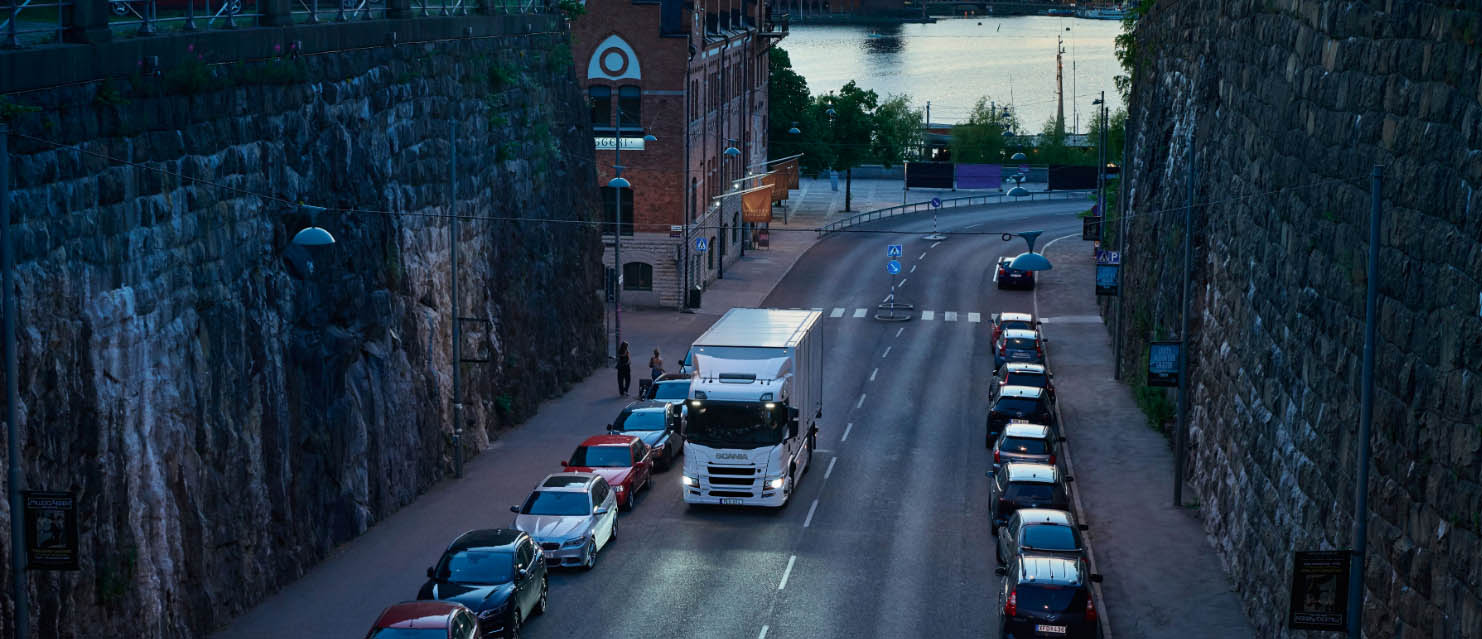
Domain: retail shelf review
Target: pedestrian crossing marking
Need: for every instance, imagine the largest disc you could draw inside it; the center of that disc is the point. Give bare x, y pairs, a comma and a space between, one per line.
838, 312
927, 316
818, 309
974, 318
859, 312
950, 316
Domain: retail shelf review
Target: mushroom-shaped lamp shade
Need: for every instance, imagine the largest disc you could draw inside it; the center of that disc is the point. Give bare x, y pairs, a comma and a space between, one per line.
619, 183
1018, 191
1018, 156
831, 112
732, 151
1030, 262
794, 129
313, 236
650, 138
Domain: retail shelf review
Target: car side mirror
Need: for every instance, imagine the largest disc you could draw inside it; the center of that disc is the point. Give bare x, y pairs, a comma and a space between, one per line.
563, 463
1096, 577
1082, 527
1060, 439
1050, 375
514, 509
610, 428
1000, 571
523, 573
1069, 479
792, 428
600, 510
430, 572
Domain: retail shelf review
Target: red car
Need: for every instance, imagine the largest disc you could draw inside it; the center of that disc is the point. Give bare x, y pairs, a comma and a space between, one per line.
623, 460
423, 619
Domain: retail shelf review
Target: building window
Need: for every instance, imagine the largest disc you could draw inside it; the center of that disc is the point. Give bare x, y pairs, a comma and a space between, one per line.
609, 202
736, 227
630, 104
601, 101
638, 276
710, 255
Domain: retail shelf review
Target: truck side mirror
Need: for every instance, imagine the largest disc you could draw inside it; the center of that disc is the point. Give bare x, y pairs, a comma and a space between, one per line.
792, 428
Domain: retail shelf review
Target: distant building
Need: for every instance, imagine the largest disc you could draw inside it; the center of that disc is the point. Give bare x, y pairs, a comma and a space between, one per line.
694, 75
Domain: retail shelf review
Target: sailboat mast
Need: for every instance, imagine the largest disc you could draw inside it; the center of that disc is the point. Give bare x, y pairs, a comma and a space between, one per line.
1059, 87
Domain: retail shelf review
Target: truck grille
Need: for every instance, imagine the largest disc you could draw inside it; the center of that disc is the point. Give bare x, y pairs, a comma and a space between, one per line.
731, 481
729, 493
733, 470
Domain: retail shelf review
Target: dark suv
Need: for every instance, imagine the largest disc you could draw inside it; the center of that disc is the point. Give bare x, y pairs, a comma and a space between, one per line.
1018, 403
1026, 442
1013, 277
1017, 485
1047, 596
1026, 374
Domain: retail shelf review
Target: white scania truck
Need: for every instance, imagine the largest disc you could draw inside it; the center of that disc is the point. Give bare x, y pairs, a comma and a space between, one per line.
756, 393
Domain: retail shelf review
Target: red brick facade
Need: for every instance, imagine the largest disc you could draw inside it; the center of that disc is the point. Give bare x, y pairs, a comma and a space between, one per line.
698, 74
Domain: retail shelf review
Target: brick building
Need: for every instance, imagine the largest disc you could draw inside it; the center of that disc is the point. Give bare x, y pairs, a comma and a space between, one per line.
693, 75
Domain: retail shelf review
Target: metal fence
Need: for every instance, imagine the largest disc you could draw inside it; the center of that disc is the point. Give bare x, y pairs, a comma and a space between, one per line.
32, 22
970, 200
148, 17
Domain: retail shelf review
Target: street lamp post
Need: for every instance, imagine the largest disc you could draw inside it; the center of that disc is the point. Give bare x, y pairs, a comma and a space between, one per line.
12, 394
1101, 167
1366, 419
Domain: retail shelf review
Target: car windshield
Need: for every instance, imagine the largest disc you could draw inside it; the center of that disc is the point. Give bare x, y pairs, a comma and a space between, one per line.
1024, 379
1049, 537
678, 389
595, 456
642, 420
477, 567
1018, 343
1047, 598
410, 633
1018, 324
551, 502
1030, 492
1016, 405
1024, 446
735, 425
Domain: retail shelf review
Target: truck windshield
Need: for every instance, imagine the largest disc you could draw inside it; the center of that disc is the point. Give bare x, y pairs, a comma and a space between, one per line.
735, 425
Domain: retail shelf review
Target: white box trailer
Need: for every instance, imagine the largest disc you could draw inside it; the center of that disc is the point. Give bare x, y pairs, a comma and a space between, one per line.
756, 396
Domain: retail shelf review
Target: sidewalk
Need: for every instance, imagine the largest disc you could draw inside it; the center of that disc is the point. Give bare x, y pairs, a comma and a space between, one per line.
1162, 576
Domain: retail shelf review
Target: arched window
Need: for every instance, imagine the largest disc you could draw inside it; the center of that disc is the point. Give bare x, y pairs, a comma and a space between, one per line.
638, 276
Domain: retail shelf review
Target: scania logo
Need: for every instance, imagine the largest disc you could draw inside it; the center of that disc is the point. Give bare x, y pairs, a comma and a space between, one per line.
730, 456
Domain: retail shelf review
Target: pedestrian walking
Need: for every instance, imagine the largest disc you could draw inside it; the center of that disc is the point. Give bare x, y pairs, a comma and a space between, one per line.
655, 365
624, 368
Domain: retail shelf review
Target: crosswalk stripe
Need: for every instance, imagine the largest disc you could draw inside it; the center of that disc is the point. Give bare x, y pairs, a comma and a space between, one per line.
974, 318
950, 316
859, 312
818, 309
927, 316
838, 312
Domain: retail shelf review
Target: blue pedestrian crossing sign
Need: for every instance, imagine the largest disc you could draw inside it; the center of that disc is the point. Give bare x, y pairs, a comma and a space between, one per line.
701, 245
894, 267
894, 250
936, 202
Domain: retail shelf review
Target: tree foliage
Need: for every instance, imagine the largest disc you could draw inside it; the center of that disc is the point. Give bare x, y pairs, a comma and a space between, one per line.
980, 140
787, 102
898, 130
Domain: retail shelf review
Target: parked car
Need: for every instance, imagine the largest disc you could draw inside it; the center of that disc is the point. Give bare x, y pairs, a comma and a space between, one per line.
623, 460
1026, 374
571, 516
659, 423
670, 387
424, 620
1026, 442
1018, 345
1016, 486
1047, 596
1012, 277
1040, 531
496, 573
1021, 403
1005, 321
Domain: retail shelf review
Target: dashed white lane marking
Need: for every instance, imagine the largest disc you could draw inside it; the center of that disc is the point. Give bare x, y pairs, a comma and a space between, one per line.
886, 353
927, 316
995, 276
788, 572
859, 312
861, 400
872, 374
903, 282
913, 268
809, 520
764, 633
973, 226
830, 470
934, 244
838, 312
847, 427
974, 318
899, 331
950, 316
922, 256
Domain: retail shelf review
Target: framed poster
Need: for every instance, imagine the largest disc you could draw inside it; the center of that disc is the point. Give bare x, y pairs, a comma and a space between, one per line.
1319, 591
1091, 228
1163, 363
51, 529
1106, 279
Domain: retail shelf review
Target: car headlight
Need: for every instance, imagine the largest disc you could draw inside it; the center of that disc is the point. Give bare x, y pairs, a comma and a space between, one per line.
574, 541
689, 481
493, 612
774, 484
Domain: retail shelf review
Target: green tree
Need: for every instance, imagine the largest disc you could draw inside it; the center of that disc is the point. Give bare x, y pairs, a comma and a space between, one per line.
980, 140
851, 127
898, 130
1116, 136
787, 102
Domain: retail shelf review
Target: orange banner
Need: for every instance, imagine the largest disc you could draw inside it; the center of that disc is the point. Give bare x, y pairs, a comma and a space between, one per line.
756, 206
790, 169
778, 182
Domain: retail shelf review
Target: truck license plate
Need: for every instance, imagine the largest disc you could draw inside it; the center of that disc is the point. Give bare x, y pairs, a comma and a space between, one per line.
1050, 630
730, 502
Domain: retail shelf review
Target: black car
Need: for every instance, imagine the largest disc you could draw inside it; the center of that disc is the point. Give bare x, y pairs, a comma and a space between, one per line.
1047, 596
659, 423
670, 387
1026, 374
1017, 345
1016, 278
1042, 531
497, 573
1026, 442
1018, 403
1016, 486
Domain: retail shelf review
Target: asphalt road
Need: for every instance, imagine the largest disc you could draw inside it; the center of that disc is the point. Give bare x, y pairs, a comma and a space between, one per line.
885, 537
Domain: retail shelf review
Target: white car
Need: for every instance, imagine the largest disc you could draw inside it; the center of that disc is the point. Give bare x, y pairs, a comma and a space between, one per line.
572, 516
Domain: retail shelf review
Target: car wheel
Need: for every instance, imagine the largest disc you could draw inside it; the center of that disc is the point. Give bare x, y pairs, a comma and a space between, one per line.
590, 561
545, 600
629, 500
612, 534
514, 623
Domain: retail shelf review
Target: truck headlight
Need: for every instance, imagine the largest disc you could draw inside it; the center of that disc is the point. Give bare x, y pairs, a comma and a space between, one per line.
689, 481
774, 484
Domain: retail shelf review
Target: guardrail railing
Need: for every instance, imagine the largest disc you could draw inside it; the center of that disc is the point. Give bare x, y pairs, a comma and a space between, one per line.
148, 17
969, 200
33, 22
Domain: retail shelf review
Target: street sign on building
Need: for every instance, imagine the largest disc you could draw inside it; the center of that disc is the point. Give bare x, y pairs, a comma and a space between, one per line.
893, 267
701, 245
894, 250
1319, 591
1163, 363
676, 230
51, 529
1108, 257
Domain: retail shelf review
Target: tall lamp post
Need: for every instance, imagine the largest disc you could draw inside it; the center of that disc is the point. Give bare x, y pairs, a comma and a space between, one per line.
617, 184
12, 393
1101, 167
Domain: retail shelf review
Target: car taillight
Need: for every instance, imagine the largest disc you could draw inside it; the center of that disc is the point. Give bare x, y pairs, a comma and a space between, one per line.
1003, 348
1011, 607
1090, 609
1038, 348
1052, 459
995, 455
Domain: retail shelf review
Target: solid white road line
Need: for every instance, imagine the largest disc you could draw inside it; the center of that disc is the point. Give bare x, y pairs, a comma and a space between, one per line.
830, 470
899, 331
764, 633
861, 400
927, 316
858, 313
788, 572
995, 276
902, 284
838, 312
950, 316
886, 353
847, 427
809, 520
913, 268
974, 318
872, 374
